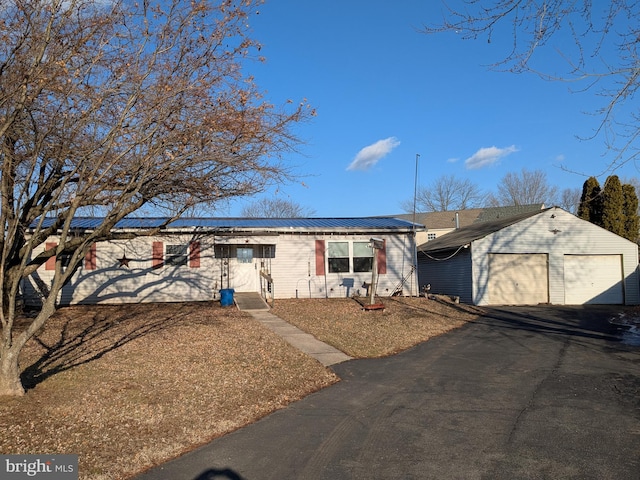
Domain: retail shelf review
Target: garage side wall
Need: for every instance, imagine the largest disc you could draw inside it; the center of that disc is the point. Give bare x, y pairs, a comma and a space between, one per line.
448, 273
555, 233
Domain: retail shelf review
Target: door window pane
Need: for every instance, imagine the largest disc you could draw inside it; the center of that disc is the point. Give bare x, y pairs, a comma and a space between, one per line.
245, 255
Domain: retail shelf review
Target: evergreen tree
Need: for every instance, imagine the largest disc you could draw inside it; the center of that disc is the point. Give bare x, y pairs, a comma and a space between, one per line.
613, 206
630, 211
590, 207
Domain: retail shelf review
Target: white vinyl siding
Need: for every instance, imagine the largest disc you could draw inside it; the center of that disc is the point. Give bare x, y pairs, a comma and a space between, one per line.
112, 282
593, 279
294, 269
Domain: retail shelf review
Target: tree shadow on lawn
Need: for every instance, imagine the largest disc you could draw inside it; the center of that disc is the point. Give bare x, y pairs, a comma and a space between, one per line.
82, 334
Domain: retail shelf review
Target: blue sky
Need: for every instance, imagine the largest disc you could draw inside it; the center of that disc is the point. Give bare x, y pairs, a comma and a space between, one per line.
384, 93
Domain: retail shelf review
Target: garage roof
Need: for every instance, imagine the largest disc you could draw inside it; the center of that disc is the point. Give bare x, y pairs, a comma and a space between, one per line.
475, 231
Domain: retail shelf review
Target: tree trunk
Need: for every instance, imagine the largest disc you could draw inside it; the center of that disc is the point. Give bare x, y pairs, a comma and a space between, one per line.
10, 383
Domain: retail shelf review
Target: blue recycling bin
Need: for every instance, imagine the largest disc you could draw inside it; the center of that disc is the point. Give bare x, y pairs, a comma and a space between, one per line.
226, 297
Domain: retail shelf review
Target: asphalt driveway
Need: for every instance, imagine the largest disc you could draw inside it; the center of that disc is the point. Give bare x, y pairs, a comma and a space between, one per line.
523, 393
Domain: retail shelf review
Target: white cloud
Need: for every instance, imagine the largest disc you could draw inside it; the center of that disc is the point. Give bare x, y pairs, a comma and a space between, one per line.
372, 154
488, 156
452, 160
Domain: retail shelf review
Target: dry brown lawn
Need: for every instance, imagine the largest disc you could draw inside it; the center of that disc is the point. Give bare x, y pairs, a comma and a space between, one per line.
403, 323
127, 387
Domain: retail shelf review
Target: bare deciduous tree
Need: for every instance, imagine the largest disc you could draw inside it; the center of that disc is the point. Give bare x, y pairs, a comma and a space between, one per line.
110, 106
570, 199
596, 41
275, 208
445, 193
526, 188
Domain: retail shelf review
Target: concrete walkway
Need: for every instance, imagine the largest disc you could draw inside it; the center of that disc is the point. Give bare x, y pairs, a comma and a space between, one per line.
254, 305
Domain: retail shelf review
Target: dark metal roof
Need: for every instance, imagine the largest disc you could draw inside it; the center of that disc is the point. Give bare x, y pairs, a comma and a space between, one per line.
447, 219
270, 224
475, 231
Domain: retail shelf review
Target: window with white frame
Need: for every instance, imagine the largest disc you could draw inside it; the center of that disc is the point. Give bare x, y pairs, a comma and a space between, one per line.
338, 257
349, 257
176, 255
431, 236
362, 257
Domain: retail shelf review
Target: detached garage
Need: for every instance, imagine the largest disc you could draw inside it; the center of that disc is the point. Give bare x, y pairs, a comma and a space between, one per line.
547, 256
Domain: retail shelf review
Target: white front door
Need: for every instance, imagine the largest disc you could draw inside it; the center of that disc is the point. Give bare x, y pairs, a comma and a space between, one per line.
243, 270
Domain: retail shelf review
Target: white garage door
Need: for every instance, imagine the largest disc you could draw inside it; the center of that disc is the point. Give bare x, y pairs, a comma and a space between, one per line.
518, 279
593, 279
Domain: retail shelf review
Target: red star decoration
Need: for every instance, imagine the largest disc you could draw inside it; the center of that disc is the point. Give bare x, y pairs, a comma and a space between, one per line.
124, 261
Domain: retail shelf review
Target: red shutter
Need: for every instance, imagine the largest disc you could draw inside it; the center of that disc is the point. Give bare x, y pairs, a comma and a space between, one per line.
194, 254
90, 258
158, 254
319, 257
382, 258
50, 264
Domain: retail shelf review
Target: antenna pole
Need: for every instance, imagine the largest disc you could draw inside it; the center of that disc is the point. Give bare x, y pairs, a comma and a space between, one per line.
413, 228
415, 192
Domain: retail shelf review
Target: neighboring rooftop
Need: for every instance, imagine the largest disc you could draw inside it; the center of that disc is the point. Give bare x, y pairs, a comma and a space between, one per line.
496, 213
447, 219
